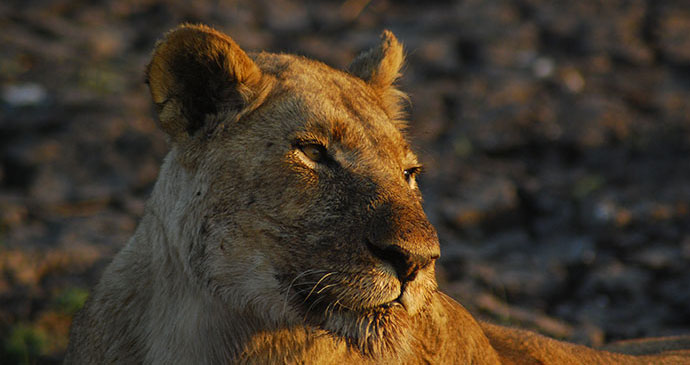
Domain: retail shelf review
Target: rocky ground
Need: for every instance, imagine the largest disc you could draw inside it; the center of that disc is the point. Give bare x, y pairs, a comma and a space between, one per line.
555, 137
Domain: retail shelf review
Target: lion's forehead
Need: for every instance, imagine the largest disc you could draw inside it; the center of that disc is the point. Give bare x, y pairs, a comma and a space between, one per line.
339, 108
351, 128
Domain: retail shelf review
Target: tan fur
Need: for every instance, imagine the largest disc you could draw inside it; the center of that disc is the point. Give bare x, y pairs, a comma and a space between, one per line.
284, 228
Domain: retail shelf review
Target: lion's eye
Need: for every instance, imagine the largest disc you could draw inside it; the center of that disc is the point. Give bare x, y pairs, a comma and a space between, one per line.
410, 173
314, 152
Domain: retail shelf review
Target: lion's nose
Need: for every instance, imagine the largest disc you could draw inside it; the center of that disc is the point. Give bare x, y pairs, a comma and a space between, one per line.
405, 263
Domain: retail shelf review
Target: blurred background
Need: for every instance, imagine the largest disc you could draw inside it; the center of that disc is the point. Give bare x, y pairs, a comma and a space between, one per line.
555, 137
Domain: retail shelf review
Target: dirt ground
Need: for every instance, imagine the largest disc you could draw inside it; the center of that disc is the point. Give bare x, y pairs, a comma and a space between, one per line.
555, 137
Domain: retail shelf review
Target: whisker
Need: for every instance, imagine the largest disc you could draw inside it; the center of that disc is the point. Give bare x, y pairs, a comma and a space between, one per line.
333, 306
287, 292
338, 301
327, 313
317, 284
325, 287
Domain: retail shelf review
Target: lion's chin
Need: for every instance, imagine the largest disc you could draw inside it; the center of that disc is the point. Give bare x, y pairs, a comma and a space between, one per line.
374, 331
375, 322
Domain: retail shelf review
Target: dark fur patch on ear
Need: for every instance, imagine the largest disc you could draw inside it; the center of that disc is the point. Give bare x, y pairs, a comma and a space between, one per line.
196, 71
204, 85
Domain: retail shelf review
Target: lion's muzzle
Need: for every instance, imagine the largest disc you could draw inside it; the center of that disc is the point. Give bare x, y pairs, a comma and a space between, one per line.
402, 237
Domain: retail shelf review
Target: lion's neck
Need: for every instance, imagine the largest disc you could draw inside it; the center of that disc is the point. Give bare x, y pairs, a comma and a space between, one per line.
181, 322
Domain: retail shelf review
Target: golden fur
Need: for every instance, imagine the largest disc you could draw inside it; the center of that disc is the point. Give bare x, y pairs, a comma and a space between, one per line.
286, 227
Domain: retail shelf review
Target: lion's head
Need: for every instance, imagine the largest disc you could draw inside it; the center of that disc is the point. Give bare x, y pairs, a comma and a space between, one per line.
295, 195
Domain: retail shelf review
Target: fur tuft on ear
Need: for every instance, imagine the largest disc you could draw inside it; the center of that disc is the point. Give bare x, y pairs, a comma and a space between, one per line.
380, 65
195, 72
380, 68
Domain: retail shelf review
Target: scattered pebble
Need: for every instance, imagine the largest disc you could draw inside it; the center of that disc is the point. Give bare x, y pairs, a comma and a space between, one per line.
23, 95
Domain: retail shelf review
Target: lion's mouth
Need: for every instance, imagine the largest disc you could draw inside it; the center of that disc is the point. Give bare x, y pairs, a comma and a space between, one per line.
370, 310
393, 303
322, 295
317, 304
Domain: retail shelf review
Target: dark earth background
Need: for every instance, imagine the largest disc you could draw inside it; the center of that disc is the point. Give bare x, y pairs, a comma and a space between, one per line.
555, 137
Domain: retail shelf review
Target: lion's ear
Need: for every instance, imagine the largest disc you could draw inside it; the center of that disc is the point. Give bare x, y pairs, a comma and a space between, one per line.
380, 68
196, 72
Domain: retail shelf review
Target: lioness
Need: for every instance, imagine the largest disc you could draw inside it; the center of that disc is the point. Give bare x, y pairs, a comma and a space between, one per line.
286, 226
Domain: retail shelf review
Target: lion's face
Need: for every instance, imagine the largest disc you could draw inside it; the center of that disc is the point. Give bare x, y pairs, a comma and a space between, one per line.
311, 209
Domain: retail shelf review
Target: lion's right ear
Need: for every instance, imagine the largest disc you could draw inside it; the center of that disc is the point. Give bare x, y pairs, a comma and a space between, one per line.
196, 72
